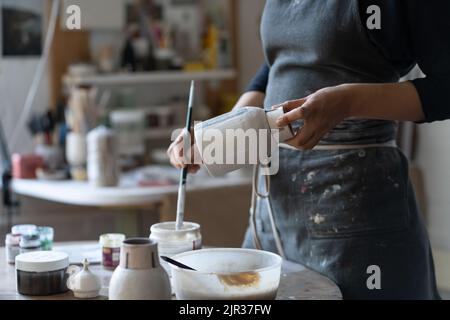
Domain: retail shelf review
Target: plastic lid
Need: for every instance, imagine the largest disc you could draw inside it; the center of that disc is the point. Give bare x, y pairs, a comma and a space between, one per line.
23, 229
42, 261
112, 240
286, 132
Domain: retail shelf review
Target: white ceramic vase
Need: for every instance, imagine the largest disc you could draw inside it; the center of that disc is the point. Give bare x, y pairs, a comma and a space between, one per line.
139, 275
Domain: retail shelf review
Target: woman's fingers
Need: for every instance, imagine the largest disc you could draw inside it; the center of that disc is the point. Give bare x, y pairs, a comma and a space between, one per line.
175, 153
308, 137
312, 142
290, 105
293, 115
177, 156
302, 137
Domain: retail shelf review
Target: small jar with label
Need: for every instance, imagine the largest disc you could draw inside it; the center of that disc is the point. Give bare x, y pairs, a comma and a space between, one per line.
111, 244
30, 242
12, 244
171, 241
22, 229
46, 235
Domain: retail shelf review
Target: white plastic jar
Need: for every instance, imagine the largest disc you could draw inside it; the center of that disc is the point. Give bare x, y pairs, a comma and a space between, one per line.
171, 241
12, 247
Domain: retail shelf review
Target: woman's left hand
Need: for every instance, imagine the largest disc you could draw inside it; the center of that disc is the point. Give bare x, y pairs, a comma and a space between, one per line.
321, 112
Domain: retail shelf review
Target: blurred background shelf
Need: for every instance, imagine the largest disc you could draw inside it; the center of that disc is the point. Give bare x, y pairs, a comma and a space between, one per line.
159, 133
151, 77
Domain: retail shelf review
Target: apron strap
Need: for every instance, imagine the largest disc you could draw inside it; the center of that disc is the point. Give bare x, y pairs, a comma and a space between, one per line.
390, 144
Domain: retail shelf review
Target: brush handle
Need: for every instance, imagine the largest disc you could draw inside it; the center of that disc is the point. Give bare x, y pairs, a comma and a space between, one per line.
176, 263
190, 106
181, 198
184, 172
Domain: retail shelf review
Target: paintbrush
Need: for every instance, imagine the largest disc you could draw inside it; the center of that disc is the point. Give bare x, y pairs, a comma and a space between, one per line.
184, 171
176, 263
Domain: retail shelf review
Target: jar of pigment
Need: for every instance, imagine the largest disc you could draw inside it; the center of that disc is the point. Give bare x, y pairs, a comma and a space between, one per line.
42, 273
30, 242
111, 244
46, 235
171, 241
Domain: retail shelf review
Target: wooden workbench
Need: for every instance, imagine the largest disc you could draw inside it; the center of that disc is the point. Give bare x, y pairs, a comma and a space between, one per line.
297, 282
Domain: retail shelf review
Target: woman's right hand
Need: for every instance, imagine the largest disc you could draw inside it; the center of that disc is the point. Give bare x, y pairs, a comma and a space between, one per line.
176, 155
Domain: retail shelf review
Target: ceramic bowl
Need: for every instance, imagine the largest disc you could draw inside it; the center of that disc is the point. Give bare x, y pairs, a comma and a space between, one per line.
227, 274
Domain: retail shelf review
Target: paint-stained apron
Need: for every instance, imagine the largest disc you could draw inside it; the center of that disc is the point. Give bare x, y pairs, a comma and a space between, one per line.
346, 212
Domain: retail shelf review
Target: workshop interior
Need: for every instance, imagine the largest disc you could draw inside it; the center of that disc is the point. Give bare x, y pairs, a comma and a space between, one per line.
100, 201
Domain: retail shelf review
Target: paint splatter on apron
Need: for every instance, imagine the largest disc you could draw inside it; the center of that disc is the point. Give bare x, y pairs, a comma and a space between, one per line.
340, 211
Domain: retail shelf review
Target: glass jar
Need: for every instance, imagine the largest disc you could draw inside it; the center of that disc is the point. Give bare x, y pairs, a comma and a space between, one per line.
12, 246
111, 244
46, 235
30, 242
42, 273
171, 241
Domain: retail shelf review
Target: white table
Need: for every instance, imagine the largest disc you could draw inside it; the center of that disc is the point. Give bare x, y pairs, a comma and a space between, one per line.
142, 200
83, 194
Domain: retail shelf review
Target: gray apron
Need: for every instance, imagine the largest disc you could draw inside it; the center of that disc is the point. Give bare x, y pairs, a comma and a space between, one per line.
341, 211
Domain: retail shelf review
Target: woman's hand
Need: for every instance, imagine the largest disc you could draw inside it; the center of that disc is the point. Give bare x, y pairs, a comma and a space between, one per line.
321, 112
326, 108
177, 156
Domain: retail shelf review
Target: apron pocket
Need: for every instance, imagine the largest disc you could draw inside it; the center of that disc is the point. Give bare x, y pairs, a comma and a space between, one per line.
374, 200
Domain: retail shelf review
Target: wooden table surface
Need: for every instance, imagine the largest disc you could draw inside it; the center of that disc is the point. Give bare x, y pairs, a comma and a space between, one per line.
297, 282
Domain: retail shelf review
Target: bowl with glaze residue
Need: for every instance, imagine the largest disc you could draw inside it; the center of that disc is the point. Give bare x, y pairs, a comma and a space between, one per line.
227, 274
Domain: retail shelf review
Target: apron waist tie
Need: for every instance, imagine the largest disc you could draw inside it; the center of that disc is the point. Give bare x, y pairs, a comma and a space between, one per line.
390, 144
